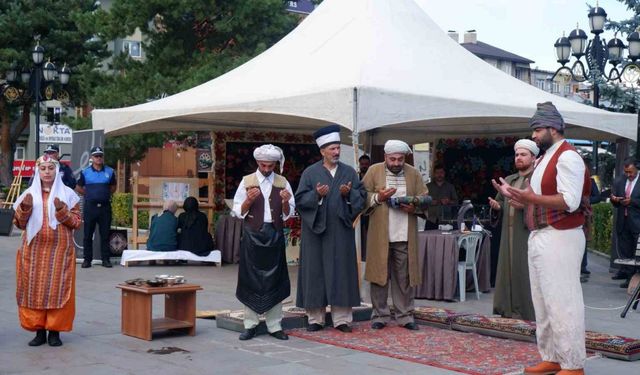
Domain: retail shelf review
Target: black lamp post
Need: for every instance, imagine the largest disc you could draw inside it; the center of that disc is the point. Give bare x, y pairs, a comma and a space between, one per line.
597, 52
41, 70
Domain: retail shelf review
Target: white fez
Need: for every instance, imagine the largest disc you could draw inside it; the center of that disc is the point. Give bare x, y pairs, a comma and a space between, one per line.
396, 147
269, 153
527, 144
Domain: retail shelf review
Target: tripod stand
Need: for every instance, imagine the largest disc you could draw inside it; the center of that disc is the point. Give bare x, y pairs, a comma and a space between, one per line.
633, 300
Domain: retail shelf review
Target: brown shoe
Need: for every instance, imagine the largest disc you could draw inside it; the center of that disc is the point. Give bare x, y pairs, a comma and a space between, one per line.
543, 368
571, 372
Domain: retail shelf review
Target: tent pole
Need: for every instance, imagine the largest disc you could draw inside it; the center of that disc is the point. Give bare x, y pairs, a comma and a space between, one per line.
357, 227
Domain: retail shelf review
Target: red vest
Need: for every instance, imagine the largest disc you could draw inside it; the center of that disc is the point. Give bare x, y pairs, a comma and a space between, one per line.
539, 217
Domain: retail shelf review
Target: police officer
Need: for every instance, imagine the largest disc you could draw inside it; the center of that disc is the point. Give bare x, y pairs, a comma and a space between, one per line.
53, 150
97, 182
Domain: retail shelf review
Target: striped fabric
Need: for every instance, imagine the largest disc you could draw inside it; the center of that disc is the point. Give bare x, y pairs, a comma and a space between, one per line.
44, 268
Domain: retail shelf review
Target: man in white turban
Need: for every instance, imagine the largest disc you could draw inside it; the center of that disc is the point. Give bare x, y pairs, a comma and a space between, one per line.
392, 239
512, 298
264, 201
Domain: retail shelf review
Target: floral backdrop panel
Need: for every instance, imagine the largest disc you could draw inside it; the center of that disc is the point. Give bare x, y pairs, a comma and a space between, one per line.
471, 163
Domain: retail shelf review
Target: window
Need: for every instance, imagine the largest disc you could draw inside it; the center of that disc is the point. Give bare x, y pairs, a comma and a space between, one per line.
134, 49
567, 90
555, 88
540, 84
19, 154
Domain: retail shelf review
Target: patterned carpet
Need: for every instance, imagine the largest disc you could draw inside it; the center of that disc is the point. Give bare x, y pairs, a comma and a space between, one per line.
468, 353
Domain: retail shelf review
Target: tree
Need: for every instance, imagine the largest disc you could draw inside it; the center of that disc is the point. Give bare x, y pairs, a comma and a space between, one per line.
186, 43
65, 28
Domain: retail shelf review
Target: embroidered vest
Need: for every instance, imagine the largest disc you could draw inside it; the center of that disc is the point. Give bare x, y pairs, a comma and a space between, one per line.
255, 216
540, 217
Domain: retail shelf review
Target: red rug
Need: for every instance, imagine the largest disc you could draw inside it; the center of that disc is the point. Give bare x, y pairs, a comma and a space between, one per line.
468, 353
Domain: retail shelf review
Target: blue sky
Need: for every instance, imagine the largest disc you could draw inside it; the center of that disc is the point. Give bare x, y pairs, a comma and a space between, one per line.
525, 27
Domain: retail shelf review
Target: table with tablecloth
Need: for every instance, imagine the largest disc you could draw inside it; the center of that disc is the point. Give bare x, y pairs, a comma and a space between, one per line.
438, 253
228, 234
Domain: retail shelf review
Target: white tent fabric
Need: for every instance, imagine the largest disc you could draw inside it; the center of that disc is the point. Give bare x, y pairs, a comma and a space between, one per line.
381, 66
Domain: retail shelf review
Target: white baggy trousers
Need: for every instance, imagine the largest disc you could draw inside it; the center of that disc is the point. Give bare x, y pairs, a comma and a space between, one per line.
554, 272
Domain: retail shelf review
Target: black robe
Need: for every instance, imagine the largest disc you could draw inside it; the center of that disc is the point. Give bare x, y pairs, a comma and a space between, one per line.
195, 238
328, 273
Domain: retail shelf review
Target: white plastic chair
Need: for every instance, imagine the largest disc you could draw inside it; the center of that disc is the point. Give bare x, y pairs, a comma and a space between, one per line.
470, 242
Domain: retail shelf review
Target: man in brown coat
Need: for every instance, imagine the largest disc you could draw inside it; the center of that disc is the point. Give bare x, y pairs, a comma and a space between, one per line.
392, 239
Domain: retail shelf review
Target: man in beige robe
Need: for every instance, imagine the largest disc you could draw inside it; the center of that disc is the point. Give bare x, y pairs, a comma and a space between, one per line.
392, 254
512, 297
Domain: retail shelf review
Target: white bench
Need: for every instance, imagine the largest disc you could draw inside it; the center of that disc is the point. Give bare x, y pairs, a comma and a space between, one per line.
145, 255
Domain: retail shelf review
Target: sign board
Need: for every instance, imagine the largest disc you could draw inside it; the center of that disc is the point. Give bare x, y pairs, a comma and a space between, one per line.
29, 167
422, 162
55, 133
84, 140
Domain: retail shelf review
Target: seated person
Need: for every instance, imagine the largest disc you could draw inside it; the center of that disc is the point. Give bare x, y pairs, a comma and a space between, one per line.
193, 229
163, 235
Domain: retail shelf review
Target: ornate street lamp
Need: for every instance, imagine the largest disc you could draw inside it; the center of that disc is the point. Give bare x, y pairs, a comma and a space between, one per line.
597, 52
30, 78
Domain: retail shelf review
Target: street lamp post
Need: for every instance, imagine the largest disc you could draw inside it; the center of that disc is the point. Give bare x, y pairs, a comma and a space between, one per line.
47, 71
596, 53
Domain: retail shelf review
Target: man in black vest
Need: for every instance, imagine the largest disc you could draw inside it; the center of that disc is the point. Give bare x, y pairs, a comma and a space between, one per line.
264, 201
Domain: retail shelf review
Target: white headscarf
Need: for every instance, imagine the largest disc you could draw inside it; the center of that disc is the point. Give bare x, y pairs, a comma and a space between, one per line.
527, 144
58, 190
396, 147
269, 153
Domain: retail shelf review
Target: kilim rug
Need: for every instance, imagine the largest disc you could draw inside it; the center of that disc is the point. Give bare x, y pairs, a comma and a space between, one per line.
464, 352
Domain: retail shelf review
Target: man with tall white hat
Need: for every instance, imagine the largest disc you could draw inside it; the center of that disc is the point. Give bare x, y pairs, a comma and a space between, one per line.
329, 199
264, 201
556, 199
512, 297
392, 240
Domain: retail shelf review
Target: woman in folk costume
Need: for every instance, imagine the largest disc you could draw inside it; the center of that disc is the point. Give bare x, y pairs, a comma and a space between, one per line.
45, 264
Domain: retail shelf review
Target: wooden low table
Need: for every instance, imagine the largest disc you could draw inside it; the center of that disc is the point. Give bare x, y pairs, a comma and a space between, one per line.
179, 309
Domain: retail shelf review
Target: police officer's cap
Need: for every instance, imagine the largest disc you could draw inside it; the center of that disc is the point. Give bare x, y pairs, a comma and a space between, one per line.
52, 148
97, 151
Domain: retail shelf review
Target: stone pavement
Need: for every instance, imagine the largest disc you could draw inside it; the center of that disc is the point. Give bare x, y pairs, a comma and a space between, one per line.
95, 346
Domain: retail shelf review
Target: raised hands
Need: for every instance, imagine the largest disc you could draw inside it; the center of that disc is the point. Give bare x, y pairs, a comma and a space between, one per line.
322, 190
385, 194
494, 204
59, 205
345, 189
252, 194
27, 202
502, 187
285, 195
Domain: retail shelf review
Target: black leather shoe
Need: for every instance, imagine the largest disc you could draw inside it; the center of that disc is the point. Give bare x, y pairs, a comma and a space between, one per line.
377, 325
54, 338
625, 284
41, 338
106, 263
248, 334
411, 326
585, 272
280, 335
86, 264
314, 327
344, 328
619, 276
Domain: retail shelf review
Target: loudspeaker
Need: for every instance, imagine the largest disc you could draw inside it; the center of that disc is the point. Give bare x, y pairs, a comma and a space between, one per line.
6, 221
117, 241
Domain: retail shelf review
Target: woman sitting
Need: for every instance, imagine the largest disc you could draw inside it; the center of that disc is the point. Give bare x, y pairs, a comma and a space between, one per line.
163, 234
193, 229
46, 261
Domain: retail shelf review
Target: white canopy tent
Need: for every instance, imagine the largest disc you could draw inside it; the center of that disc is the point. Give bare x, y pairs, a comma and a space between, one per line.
377, 66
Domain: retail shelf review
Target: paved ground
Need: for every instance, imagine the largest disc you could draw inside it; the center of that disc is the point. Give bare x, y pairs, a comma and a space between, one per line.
96, 346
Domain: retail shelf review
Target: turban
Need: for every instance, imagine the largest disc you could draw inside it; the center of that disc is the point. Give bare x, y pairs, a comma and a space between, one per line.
396, 147
529, 145
547, 116
269, 153
327, 135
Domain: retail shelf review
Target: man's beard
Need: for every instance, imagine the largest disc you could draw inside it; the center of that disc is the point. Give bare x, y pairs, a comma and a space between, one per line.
521, 167
266, 174
395, 169
545, 142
